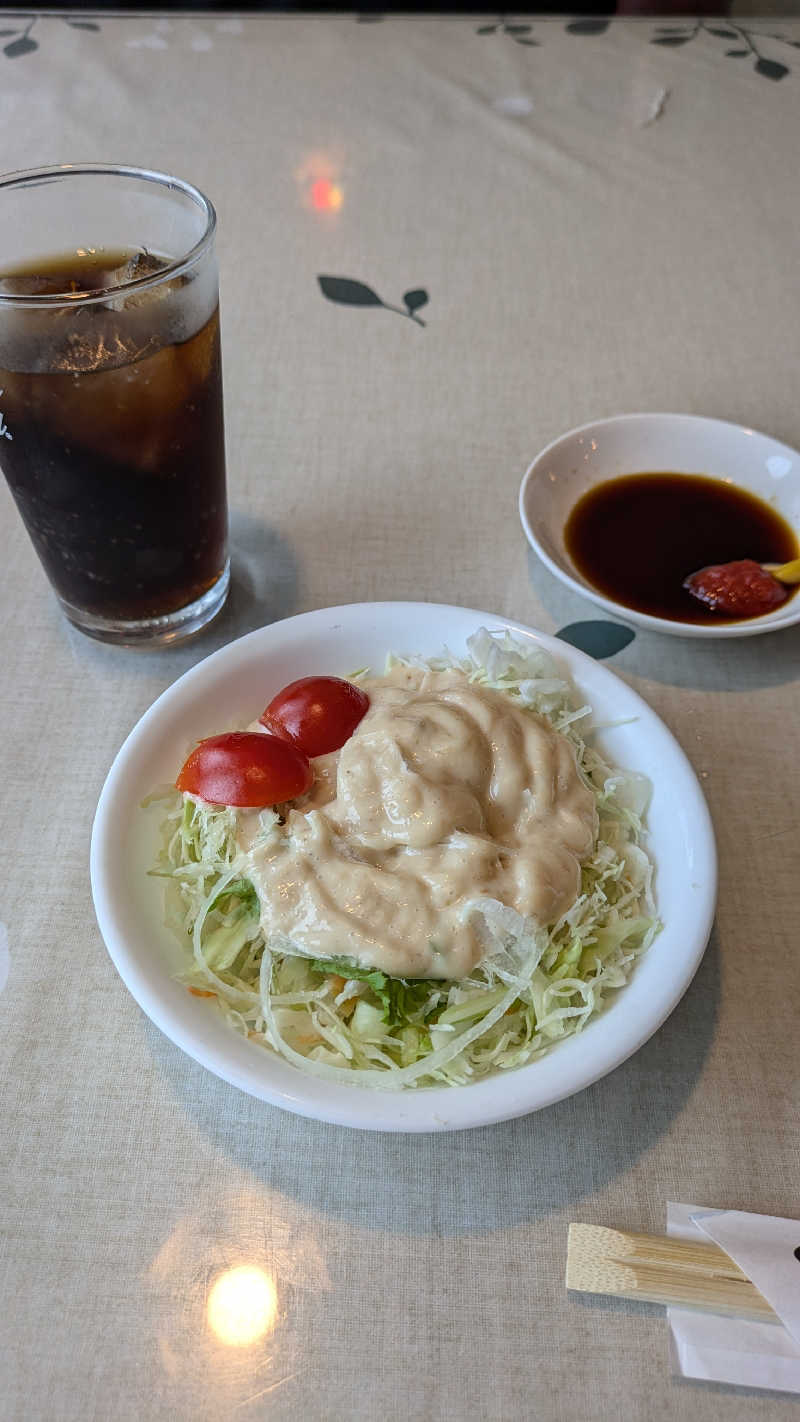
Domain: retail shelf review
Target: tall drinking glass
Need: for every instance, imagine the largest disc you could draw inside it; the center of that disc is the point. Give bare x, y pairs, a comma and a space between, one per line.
111, 426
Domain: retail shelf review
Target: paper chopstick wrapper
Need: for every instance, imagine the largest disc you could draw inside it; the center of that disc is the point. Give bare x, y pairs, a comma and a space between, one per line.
738, 1351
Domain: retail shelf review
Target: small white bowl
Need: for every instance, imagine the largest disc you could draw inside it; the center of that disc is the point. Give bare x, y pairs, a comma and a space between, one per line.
232, 687
636, 444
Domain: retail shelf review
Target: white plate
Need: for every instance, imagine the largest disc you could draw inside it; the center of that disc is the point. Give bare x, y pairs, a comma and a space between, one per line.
634, 444
233, 686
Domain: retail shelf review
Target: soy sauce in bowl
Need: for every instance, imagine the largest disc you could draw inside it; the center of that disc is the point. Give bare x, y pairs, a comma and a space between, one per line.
636, 538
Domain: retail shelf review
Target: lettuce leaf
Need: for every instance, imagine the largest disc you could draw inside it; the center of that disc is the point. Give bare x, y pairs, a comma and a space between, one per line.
403, 1000
241, 889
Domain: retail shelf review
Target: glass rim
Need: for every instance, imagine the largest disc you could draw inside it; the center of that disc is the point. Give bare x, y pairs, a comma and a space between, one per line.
34, 177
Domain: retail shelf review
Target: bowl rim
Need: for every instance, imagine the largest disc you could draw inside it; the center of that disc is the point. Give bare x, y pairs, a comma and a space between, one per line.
494, 1099
775, 621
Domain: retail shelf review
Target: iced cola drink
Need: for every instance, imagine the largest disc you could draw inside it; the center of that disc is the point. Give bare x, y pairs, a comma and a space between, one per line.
111, 435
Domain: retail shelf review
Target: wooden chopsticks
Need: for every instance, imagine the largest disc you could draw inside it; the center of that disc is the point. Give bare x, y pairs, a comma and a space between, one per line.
656, 1269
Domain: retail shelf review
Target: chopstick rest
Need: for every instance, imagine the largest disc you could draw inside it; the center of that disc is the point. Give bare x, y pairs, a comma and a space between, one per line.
657, 1269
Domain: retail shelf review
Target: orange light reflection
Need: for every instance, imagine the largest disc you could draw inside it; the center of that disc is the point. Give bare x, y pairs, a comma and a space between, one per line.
326, 196
319, 182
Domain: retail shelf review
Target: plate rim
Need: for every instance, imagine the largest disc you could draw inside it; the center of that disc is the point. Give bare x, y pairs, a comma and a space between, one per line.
494, 1099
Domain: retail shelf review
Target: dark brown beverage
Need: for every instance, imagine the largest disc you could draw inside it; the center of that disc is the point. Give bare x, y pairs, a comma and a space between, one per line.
111, 432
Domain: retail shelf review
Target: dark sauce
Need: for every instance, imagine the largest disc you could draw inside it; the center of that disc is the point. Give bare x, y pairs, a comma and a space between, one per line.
638, 537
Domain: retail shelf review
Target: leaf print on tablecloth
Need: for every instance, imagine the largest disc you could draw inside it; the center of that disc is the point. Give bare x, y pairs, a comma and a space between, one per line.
667, 36
520, 34
770, 68
348, 292
415, 299
673, 36
22, 43
598, 639
587, 27
20, 46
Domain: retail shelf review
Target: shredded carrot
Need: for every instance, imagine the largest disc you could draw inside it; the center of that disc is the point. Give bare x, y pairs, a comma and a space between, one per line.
201, 992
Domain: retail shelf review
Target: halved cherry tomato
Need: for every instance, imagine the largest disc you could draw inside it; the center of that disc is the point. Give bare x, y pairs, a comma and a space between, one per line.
246, 768
316, 713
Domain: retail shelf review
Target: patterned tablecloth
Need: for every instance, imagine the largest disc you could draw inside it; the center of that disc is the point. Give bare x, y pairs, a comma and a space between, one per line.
596, 217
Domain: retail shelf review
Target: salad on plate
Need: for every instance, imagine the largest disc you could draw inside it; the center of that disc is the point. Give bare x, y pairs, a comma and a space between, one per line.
424, 877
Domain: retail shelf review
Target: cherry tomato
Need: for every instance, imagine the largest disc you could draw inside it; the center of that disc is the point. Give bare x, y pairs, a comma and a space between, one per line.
317, 713
246, 768
741, 589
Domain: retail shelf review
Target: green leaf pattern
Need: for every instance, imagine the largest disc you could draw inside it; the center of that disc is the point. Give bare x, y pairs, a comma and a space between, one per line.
668, 37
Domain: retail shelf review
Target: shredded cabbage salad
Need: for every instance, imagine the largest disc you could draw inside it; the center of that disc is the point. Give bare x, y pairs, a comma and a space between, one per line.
534, 986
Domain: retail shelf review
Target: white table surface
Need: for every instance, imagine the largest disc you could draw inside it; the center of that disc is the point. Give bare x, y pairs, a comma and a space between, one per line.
601, 223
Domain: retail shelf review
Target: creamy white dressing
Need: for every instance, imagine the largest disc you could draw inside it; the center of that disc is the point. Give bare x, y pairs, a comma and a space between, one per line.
447, 793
